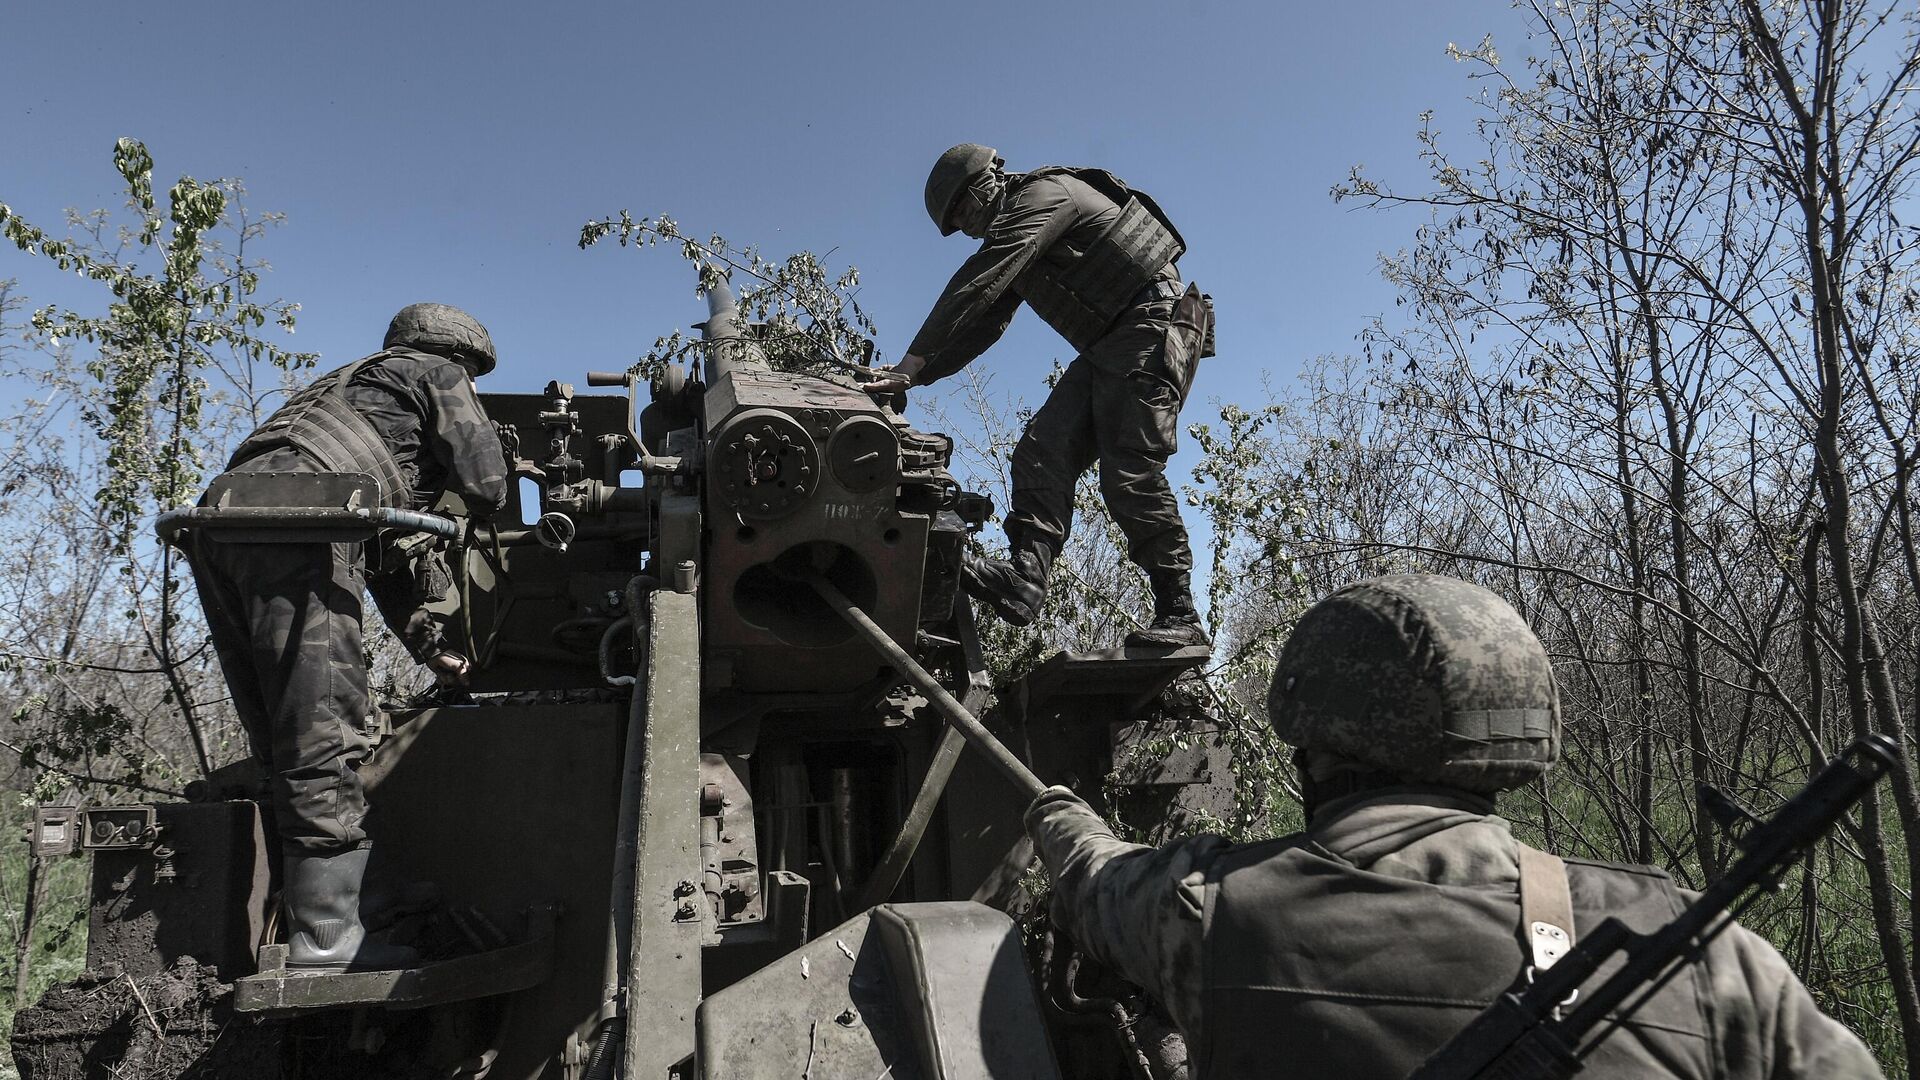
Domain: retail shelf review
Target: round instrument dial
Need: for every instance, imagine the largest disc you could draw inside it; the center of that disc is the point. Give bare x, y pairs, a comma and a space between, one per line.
864, 455
766, 463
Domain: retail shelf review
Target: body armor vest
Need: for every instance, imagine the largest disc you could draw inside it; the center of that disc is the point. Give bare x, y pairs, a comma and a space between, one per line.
1081, 295
320, 423
1314, 967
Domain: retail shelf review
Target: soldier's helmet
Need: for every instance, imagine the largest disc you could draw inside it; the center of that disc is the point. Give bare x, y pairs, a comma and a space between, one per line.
443, 330
1427, 678
951, 175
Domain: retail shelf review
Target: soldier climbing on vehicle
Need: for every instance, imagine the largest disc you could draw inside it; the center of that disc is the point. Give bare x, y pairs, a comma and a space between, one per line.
285, 617
1096, 260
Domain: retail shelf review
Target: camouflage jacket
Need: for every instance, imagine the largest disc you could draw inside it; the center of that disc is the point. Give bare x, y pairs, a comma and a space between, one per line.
1141, 911
980, 301
425, 409
427, 412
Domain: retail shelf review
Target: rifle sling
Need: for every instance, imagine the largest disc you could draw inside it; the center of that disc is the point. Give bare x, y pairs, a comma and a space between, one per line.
1546, 908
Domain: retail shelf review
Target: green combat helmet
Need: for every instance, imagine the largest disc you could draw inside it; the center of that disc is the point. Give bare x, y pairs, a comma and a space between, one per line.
1429, 679
443, 330
949, 178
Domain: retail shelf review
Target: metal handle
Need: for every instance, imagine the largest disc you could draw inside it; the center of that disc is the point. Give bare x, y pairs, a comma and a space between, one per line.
954, 712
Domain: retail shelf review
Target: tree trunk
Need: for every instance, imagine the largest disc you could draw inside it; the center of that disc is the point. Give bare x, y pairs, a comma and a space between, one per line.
29, 915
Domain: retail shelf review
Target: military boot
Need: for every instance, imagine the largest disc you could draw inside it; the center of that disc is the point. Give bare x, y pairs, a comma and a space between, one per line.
1175, 622
1013, 588
324, 930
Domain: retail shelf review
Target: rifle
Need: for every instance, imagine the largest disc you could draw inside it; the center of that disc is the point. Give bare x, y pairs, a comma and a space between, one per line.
1525, 1036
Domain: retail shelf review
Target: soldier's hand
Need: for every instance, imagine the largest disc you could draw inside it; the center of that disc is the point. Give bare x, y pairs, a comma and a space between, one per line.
896, 379
449, 668
882, 382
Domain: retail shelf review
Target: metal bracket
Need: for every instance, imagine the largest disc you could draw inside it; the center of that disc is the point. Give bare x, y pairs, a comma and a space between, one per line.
1549, 943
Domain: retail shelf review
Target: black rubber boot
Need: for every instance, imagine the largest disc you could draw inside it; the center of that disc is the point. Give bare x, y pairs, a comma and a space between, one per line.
324, 931
1014, 588
1175, 623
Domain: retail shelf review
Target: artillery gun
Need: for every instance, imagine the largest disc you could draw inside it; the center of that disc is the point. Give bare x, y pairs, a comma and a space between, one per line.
700, 815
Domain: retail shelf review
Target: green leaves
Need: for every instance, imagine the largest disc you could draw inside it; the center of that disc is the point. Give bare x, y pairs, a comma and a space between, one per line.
167, 323
802, 316
151, 368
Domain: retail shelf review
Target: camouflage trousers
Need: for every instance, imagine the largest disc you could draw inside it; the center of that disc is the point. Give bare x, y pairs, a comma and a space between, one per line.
1118, 405
285, 620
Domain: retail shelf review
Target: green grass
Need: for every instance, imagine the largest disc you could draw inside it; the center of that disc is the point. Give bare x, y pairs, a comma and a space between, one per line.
60, 934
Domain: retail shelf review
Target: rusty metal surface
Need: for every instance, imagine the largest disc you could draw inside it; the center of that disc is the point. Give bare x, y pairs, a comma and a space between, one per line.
499, 971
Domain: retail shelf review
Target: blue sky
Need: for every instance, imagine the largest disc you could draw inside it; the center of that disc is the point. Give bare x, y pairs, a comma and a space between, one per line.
450, 152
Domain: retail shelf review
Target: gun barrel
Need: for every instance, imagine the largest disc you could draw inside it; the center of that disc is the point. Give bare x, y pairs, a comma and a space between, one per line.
728, 347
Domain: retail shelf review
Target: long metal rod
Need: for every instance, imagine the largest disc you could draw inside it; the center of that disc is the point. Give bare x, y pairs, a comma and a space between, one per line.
956, 714
886, 877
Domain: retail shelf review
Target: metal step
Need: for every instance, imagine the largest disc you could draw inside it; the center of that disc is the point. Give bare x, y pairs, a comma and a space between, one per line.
279, 990
1129, 678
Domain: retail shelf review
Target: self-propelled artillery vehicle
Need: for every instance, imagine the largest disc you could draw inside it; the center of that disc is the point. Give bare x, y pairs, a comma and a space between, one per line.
701, 813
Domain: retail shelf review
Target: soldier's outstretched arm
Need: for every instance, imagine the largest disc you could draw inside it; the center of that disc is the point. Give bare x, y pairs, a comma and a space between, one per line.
1134, 908
977, 304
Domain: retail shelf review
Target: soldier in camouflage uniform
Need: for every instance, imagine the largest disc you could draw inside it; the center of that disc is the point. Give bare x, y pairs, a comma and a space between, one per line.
1095, 259
1360, 946
285, 618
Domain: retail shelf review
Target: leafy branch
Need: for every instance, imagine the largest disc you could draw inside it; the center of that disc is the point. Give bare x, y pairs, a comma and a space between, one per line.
804, 316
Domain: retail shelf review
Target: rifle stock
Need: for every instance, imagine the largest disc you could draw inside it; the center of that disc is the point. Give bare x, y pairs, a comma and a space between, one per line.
1525, 1036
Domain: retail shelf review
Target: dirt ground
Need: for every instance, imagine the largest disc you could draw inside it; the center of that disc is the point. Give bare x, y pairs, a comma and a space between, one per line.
178, 1023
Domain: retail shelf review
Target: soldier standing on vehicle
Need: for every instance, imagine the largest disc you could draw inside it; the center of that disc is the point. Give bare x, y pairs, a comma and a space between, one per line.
1095, 259
1360, 946
285, 617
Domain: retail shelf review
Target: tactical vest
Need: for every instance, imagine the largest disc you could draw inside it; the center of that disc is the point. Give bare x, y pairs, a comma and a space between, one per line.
1081, 295
1314, 967
320, 423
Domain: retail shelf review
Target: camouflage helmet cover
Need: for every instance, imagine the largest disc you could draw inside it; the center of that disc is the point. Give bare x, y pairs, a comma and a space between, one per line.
443, 330
1427, 678
950, 176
